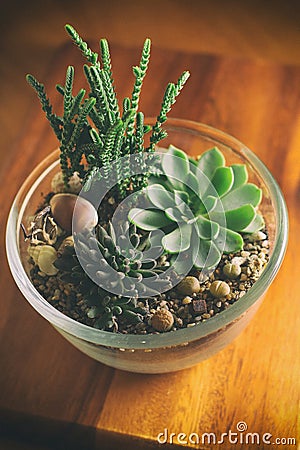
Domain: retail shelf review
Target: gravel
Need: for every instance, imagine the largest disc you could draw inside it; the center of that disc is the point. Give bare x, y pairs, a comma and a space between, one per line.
189, 309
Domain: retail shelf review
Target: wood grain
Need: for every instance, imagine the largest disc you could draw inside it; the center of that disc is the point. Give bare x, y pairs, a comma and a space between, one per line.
52, 393
30, 35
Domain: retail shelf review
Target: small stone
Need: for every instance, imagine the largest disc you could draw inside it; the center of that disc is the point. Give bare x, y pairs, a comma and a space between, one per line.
238, 260
162, 320
243, 277
257, 236
206, 316
219, 289
179, 321
186, 300
189, 286
200, 306
232, 271
111, 201
71, 211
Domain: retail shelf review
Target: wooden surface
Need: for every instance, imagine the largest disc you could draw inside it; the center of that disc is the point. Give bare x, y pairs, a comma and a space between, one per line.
52, 395
32, 31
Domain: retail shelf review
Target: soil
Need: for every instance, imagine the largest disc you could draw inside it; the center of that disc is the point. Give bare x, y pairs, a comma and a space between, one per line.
188, 309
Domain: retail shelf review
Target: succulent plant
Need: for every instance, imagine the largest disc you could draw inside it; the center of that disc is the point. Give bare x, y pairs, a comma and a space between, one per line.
114, 273
93, 130
121, 262
105, 308
202, 206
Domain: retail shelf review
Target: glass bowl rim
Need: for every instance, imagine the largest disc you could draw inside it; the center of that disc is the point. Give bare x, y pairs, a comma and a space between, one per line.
150, 341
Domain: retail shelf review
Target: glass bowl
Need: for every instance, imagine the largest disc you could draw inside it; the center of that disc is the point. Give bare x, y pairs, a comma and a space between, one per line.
171, 351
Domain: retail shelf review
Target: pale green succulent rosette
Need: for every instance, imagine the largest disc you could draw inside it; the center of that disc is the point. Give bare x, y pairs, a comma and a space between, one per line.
202, 206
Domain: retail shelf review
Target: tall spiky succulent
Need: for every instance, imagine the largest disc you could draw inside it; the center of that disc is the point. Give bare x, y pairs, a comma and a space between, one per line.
112, 271
93, 132
202, 206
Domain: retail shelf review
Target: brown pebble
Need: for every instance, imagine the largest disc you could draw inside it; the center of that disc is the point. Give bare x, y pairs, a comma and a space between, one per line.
200, 306
63, 209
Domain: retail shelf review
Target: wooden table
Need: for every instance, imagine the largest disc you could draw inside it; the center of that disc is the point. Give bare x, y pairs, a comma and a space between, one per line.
54, 396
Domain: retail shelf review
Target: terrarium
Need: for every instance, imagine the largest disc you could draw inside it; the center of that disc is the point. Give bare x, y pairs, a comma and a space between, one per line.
147, 243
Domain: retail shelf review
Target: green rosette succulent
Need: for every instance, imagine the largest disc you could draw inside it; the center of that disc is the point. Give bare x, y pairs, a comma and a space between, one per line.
111, 271
202, 206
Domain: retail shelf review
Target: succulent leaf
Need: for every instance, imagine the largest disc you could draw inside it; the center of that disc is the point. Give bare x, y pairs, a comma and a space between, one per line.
175, 214
238, 219
240, 175
160, 197
178, 240
206, 229
180, 197
207, 256
222, 180
193, 164
147, 219
245, 194
210, 160
210, 203
191, 184
228, 241
257, 224
176, 166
